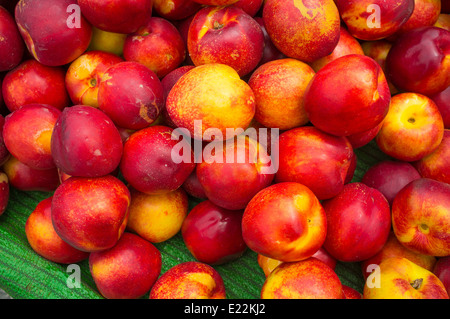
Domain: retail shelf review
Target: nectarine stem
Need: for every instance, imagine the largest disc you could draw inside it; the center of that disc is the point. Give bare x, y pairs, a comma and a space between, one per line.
416, 284
217, 25
93, 82
424, 228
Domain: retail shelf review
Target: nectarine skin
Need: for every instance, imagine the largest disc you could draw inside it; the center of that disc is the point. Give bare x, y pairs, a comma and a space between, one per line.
45, 241
118, 16
157, 44
348, 95
183, 28
279, 87
393, 248
352, 169
367, 22
226, 35
269, 264
213, 234
216, 2
131, 95
306, 279
389, 177
52, 41
251, 7
85, 142
172, 77
4, 192
241, 178
347, 45
421, 217
213, 94
442, 100
12, 47
4, 152
44, 85
175, 10
436, 165
168, 81
315, 159
27, 134
412, 129
284, 221
378, 50
358, 223
419, 61
303, 30
91, 214
84, 74
403, 279
442, 271
443, 21
193, 187
25, 178
425, 13
105, 41
158, 173
351, 293
158, 217
358, 140
270, 51
128, 270
189, 280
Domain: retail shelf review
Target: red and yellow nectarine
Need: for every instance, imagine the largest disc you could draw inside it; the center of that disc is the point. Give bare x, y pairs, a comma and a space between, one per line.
284, 221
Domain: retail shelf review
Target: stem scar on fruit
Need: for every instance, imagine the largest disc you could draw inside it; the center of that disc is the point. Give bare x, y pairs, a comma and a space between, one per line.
416, 284
217, 25
93, 82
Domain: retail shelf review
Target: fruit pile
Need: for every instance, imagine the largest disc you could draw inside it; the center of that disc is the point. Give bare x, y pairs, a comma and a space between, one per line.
237, 125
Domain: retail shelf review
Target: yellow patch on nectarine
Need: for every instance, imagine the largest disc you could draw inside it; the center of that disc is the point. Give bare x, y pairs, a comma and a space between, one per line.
166, 6
43, 141
307, 12
157, 217
3, 178
107, 41
400, 278
209, 23
195, 285
28, 40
